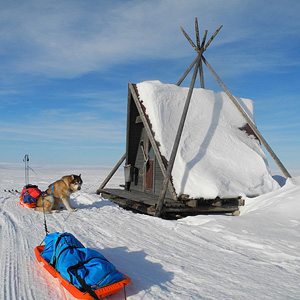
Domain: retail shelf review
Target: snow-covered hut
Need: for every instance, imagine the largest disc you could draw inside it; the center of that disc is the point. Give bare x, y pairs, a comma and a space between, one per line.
190, 150
218, 161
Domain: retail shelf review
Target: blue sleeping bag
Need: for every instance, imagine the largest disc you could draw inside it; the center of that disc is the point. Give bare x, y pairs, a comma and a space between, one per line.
85, 268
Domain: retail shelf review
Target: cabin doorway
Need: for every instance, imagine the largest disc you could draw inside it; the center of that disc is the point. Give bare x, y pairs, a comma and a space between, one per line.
149, 165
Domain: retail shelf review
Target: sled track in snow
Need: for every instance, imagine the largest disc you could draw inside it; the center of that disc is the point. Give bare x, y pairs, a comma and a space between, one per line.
13, 245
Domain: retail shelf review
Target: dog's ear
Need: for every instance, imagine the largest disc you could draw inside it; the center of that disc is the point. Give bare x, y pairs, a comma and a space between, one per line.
72, 176
79, 175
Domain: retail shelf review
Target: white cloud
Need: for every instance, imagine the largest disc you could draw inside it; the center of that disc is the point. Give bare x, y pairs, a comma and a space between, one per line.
70, 38
60, 126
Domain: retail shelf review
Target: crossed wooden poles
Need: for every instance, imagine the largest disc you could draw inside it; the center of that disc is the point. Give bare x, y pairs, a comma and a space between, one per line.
200, 49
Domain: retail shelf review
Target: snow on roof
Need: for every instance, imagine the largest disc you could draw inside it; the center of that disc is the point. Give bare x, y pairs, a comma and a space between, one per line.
214, 158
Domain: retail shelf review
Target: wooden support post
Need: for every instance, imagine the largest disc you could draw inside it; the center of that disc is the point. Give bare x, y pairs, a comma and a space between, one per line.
189, 39
249, 121
213, 36
197, 33
110, 175
199, 46
200, 66
203, 40
160, 201
201, 75
186, 72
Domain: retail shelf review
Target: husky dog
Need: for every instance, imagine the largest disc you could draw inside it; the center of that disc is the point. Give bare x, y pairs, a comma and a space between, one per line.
59, 192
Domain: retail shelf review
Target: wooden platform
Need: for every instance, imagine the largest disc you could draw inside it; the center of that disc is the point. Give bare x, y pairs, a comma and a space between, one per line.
146, 203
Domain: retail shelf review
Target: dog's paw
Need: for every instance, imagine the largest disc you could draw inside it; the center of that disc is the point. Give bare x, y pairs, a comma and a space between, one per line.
73, 209
55, 211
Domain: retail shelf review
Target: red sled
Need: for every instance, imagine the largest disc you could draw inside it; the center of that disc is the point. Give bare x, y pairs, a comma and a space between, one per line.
27, 205
29, 196
103, 292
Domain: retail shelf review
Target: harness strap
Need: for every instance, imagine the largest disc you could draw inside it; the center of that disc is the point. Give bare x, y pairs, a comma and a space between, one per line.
54, 259
84, 285
50, 187
63, 250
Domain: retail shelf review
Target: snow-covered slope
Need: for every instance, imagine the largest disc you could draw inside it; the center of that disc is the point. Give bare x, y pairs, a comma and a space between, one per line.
215, 158
253, 256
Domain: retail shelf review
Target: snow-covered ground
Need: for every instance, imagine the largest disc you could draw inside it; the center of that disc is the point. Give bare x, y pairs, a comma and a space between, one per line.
253, 256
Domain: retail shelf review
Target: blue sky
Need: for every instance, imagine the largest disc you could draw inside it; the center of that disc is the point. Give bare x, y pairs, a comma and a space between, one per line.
65, 67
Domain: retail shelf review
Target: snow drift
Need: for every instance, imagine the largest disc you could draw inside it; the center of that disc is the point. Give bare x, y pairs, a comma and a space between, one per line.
215, 157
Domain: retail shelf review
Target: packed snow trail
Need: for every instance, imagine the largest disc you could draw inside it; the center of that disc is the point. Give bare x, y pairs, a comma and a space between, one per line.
253, 256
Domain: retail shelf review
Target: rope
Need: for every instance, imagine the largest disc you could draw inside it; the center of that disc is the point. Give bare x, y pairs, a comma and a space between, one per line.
45, 223
125, 292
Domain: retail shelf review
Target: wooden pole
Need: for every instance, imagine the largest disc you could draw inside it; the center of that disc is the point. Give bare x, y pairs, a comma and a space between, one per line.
110, 175
189, 39
199, 51
213, 36
249, 121
187, 72
200, 65
198, 45
201, 75
197, 33
203, 40
160, 201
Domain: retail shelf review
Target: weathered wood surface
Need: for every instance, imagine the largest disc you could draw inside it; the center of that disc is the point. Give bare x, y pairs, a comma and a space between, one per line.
199, 46
186, 72
145, 203
212, 37
189, 39
140, 197
197, 33
198, 50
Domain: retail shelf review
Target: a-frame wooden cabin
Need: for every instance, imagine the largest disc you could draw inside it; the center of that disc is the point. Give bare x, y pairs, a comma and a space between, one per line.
145, 169
148, 186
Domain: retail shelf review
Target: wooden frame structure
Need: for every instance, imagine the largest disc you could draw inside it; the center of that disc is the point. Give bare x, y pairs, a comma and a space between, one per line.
166, 203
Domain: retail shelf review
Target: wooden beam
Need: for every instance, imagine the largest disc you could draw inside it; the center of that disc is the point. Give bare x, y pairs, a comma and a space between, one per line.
201, 75
212, 37
159, 207
151, 138
204, 38
249, 121
199, 51
110, 175
198, 45
200, 65
197, 33
187, 72
189, 39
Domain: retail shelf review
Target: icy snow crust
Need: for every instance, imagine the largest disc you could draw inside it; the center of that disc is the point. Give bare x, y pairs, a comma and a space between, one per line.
215, 158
